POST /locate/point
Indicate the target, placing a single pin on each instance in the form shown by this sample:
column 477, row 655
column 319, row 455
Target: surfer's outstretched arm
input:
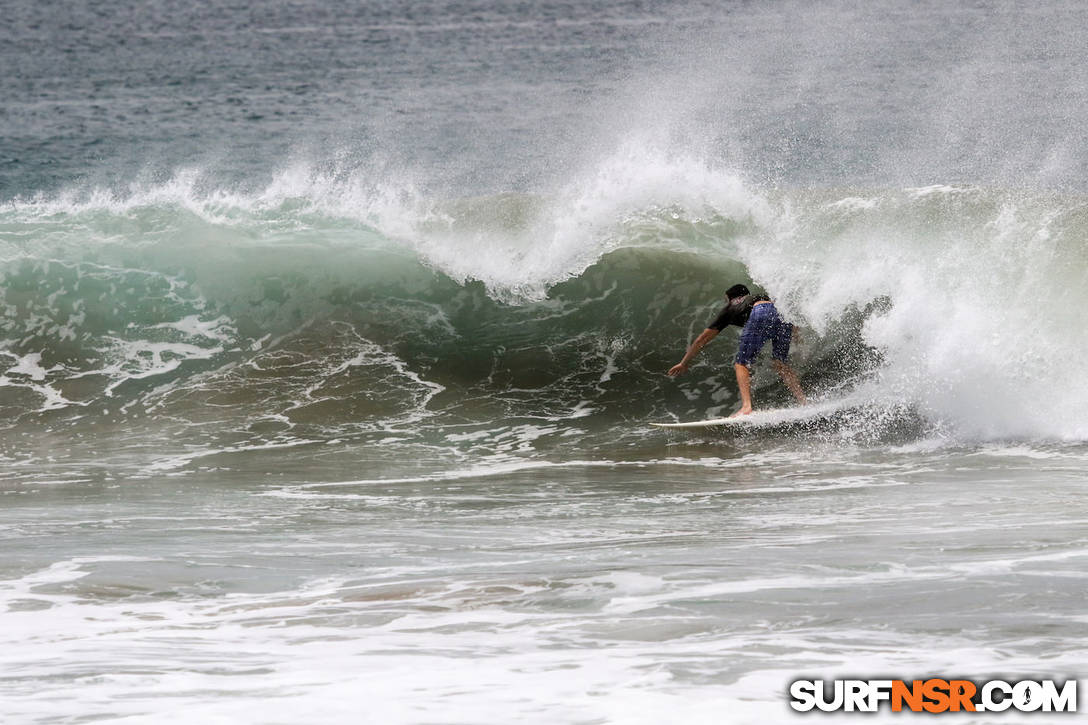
column 704, row 337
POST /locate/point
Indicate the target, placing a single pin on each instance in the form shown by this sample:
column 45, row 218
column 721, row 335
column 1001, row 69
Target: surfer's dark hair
column 737, row 290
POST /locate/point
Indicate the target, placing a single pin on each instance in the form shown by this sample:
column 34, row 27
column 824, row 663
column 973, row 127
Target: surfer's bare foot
column 745, row 410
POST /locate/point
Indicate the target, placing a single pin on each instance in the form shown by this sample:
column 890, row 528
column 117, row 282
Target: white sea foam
column 440, row 646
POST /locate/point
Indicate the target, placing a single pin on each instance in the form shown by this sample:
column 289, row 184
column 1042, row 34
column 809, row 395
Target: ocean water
column 330, row 335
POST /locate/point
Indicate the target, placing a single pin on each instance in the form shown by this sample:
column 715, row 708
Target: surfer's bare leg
column 789, row 377
column 744, row 382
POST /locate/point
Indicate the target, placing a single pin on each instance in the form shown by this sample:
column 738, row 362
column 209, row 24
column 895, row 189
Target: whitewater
column 330, row 339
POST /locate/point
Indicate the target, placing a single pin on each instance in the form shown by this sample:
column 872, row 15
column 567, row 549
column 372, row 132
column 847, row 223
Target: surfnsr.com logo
column 933, row 695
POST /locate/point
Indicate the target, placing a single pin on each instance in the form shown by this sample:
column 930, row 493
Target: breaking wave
column 326, row 303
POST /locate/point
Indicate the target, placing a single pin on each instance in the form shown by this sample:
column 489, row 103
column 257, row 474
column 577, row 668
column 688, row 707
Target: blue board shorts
column 764, row 324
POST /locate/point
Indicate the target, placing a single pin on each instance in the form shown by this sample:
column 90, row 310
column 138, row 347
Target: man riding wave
column 760, row 322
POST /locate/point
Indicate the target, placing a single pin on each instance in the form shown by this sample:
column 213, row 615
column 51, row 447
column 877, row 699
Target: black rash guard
column 736, row 312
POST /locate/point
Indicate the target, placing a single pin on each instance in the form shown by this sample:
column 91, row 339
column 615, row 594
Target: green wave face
column 297, row 317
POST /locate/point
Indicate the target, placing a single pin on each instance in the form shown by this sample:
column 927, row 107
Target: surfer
column 760, row 322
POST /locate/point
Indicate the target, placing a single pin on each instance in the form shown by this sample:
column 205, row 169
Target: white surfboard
column 754, row 418
column 763, row 418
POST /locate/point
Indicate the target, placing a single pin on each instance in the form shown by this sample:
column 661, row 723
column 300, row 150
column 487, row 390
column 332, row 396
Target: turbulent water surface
column 330, row 336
